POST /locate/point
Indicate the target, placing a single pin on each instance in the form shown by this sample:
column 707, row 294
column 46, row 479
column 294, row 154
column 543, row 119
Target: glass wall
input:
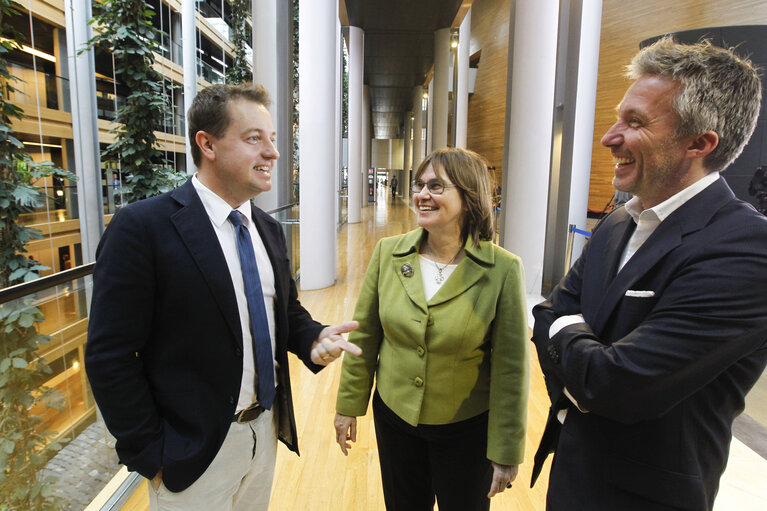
column 75, row 451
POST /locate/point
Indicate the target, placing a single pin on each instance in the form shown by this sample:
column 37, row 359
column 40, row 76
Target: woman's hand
column 503, row 475
column 346, row 430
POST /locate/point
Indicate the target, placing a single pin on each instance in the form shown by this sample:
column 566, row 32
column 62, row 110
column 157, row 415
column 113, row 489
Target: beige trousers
column 236, row 480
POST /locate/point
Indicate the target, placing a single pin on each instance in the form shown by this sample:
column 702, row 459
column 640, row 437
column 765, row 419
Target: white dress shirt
column 647, row 221
column 218, row 211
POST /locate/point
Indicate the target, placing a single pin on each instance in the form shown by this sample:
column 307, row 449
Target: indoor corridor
column 322, row 479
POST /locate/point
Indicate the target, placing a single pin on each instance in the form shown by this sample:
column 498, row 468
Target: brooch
column 407, row 270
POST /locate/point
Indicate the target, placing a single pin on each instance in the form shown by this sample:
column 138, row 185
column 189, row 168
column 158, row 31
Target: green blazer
column 449, row 359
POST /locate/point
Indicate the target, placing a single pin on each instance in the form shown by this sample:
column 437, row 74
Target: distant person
column 193, row 314
column 443, row 331
column 394, row 183
column 653, row 338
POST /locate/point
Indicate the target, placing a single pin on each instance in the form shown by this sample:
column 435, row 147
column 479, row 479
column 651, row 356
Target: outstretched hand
column 330, row 344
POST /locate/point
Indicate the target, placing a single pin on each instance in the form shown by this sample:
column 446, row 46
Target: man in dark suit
column 193, row 313
column 651, row 341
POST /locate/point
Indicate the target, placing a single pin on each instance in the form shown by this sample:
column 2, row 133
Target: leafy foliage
column 24, row 441
column 294, row 90
column 126, row 31
column 240, row 71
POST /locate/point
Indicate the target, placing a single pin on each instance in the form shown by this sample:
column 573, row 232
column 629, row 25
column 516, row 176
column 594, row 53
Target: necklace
column 439, row 278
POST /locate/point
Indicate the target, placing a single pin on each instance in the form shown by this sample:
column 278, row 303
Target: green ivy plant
column 125, row 30
column 240, row 71
column 25, row 444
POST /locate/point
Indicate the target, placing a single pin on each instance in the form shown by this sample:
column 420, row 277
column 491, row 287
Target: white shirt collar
column 668, row 206
column 217, row 208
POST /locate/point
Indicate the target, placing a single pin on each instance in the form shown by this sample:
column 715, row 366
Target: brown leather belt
column 248, row 414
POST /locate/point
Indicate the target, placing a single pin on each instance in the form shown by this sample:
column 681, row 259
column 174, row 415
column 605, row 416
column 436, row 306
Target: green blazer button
column 418, row 382
column 420, row 351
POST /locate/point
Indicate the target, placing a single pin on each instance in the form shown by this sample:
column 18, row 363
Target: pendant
column 439, row 278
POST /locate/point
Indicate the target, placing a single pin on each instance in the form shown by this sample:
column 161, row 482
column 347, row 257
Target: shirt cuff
column 564, row 321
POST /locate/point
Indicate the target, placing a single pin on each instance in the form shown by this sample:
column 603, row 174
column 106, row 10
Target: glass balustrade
column 60, row 401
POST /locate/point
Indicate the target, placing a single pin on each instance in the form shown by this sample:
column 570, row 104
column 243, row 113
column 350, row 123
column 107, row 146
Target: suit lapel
column 689, row 217
column 408, row 264
column 407, row 267
column 196, row 232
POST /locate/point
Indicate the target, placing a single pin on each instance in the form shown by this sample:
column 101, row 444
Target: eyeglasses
column 434, row 187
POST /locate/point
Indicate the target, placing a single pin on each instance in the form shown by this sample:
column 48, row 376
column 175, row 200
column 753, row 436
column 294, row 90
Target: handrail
column 281, row 208
column 33, row 286
column 27, row 288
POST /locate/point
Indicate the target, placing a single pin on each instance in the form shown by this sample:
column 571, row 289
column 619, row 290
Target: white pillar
column 271, row 68
column 317, row 72
column 418, row 143
column 189, row 59
column 462, row 87
column 439, row 95
column 583, row 136
column 529, row 134
column 356, row 65
column 82, row 96
column 407, row 158
column 365, row 153
column 429, row 147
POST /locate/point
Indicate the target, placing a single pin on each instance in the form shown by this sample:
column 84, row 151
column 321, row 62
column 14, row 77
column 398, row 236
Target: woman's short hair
column 468, row 171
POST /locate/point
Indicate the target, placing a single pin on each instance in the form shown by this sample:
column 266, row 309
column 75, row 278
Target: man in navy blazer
column 651, row 341
column 170, row 355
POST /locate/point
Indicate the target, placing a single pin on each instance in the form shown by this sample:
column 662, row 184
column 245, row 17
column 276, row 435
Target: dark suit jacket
column 663, row 376
column 164, row 351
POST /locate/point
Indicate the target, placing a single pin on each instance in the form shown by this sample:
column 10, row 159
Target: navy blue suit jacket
column 164, row 351
column 662, row 376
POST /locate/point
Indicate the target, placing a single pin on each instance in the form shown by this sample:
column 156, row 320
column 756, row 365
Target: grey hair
column 719, row 91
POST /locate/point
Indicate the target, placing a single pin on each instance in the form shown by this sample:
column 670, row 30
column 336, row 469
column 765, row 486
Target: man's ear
column 702, row 145
column 205, row 142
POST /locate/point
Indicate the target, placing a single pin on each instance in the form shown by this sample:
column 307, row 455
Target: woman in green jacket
column 443, row 327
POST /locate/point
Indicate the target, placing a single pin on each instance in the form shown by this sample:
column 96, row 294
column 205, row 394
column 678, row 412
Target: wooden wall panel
column 487, row 106
column 624, row 25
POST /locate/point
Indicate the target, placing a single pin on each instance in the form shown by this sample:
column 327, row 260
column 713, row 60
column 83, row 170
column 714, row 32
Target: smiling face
column 439, row 213
column 238, row 165
column 650, row 160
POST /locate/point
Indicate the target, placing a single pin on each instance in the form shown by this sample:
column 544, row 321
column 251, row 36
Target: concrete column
column 365, row 153
column 356, row 66
column 428, row 120
column 81, row 70
column 407, row 157
column 318, row 68
column 585, row 104
column 528, row 143
column 441, row 85
column 189, row 53
column 271, row 68
column 418, row 144
column 573, row 126
column 462, row 87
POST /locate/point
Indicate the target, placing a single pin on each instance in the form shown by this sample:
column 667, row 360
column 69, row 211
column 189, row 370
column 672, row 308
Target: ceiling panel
column 399, row 51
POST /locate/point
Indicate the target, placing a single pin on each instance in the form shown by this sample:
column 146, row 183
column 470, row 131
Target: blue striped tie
column 259, row 325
